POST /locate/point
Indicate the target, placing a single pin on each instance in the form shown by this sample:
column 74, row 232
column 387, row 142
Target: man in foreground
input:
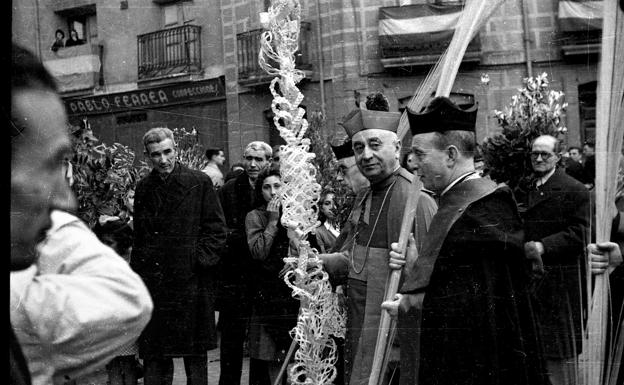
column 179, row 233
column 464, row 302
column 77, row 303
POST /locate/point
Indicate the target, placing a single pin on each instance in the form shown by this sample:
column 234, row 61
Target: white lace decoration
column 320, row 315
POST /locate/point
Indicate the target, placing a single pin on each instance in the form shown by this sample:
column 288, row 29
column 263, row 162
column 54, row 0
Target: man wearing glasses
column 556, row 232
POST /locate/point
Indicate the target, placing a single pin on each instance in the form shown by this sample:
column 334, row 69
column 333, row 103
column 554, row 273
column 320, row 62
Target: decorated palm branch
column 601, row 358
column 319, row 313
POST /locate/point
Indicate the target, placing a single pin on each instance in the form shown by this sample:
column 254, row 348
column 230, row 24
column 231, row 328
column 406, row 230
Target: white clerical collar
column 466, row 176
column 545, row 178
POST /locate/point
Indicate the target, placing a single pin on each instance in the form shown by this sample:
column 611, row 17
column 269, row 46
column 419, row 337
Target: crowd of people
column 489, row 294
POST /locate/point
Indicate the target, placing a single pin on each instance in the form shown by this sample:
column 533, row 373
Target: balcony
column 417, row 35
column 580, row 25
column 249, row 71
column 77, row 68
column 169, row 52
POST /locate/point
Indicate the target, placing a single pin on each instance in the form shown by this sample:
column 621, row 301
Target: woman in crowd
column 274, row 311
column 327, row 232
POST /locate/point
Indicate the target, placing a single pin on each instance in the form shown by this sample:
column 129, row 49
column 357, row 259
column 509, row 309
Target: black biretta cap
column 442, row 114
column 344, row 150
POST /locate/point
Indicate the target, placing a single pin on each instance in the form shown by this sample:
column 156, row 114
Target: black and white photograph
column 316, row 192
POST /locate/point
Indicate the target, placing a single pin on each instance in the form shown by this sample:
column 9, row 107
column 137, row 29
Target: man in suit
column 556, row 226
column 574, row 165
column 179, row 234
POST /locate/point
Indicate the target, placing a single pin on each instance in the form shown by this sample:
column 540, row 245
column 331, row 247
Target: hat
column 343, row 150
column 360, row 120
column 441, row 115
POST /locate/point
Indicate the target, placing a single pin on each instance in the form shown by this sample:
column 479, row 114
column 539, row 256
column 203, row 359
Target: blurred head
column 409, row 162
column 544, row 154
column 160, row 149
column 129, row 201
column 257, row 157
column 350, row 174
column 441, row 157
column 73, row 34
column 575, row 153
column 39, row 144
column 588, row 148
column 215, row 155
column 238, row 166
column 327, row 206
column 59, row 34
column 276, row 155
column 268, row 184
column 377, row 153
column 116, row 234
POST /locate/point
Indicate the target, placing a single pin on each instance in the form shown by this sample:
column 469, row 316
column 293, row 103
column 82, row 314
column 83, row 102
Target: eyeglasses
column 545, row 155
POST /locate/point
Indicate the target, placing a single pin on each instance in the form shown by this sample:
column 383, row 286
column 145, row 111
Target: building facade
column 193, row 63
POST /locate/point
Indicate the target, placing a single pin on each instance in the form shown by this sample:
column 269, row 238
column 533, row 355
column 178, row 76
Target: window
column 83, row 20
column 171, row 15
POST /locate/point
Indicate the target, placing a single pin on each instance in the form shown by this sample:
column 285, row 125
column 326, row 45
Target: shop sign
column 194, row 92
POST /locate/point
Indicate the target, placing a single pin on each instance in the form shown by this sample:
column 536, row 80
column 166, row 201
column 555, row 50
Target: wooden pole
column 393, row 285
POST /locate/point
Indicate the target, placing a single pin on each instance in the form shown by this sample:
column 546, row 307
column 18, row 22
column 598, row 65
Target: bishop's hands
column 397, row 262
column 603, row 257
column 392, row 307
column 397, row 259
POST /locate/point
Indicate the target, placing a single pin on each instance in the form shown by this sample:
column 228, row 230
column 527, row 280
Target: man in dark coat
column 179, row 234
column 556, row 226
column 573, row 164
column 237, row 199
column 465, row 296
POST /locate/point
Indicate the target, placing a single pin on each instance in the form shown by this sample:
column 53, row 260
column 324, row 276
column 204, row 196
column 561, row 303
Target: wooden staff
column 474, row 15
column 393, row 284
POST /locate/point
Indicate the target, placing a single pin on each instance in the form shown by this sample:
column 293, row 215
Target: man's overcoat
column 558, row 216
column 179, row 233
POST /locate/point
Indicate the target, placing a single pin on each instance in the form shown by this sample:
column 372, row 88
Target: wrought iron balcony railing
column 248, row 43
column 169, row 51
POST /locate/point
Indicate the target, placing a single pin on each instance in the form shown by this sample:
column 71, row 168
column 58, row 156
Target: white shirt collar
column 545, row 178
column 331, row 228
column 461, row 178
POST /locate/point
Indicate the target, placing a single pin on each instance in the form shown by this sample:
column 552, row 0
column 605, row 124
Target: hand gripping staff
column 473, row 16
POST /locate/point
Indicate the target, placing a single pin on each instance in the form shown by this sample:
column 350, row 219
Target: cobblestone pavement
column 179, row 378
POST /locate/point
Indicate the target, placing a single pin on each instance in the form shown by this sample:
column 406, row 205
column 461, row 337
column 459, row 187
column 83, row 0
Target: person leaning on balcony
column 59, row 40
column 73, row 39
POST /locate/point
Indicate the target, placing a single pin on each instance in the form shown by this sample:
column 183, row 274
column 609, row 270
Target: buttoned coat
column 179, row 235
column 557, row 215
